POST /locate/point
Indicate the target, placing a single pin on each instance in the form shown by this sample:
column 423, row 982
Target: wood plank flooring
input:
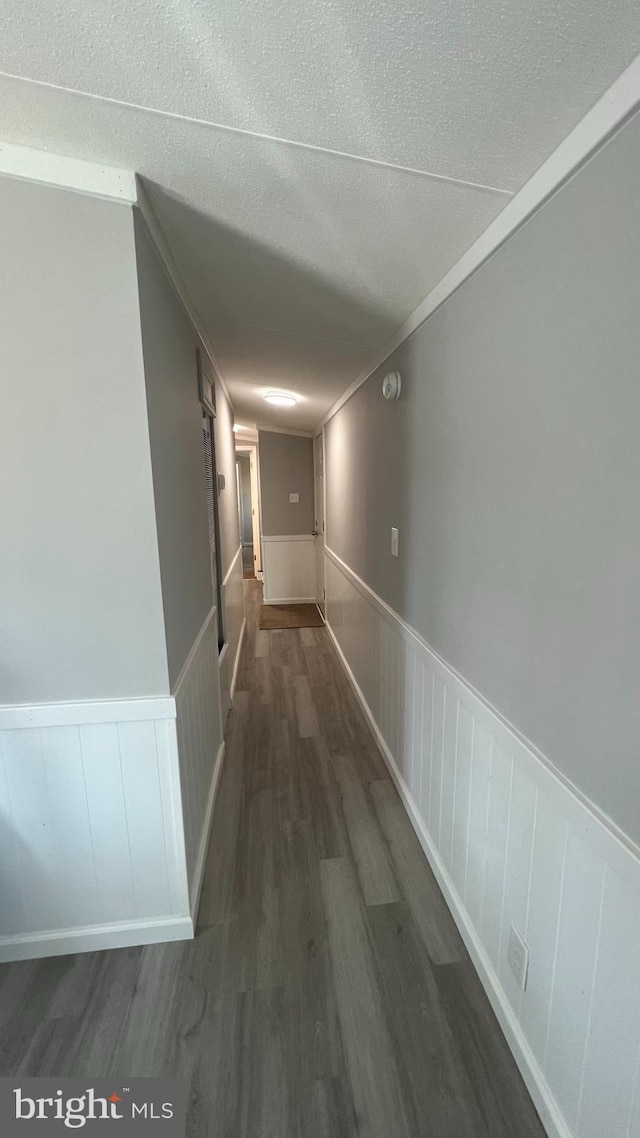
column 327, row 993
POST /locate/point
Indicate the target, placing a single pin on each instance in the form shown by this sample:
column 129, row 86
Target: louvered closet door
column 212, row 507
column 208, row 461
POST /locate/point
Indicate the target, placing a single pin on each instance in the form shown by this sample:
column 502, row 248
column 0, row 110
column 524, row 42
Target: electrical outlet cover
column 518, row 957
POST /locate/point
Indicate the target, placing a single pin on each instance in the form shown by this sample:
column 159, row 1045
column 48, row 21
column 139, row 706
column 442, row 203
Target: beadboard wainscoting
column 200, row 748
column 289, row 569
column 91, row 833
column 105, row 813
column 511, row 843
column 234, row 626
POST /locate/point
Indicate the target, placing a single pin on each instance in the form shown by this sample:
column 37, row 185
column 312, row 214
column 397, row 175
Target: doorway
column 249, row 511
column 243, row 470
column 318, row 483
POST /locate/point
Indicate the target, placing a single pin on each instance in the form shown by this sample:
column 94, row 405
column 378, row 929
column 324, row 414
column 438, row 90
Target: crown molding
column 608, row 115
column 165, row 255
column 67, row 173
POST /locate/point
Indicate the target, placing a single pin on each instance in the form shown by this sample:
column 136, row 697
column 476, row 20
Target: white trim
column 611, row 111
column 18, row 716
column 292, row 601
column 510, row 732
column 201, row 859
column 541, row 1095
column 288, row 537
column 173, row 817
column 320, row 536
column 237, row 660
column 251, row 450
column 284, row 431
column 161, row 246
column 232, row 566
column 94, row 938
column 193, row 652
column 67, row 173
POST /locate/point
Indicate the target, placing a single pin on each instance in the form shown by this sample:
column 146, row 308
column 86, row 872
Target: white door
column 318, row 463
column 255, row 513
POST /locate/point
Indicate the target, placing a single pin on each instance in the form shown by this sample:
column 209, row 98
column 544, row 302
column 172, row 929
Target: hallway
column 327, row 991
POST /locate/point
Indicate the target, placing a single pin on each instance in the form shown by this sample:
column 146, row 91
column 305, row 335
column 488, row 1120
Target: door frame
column 256, row 527
column 320, row 519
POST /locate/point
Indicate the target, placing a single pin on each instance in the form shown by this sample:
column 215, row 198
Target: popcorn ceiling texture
column 476, row 90
column 327, row 254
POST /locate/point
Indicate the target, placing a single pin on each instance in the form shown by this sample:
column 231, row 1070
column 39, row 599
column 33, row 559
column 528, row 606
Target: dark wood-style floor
column 327, row 992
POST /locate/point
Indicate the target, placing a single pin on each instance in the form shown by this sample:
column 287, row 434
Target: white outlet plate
column 394, row 542
column 294, row 498
column 518, row 957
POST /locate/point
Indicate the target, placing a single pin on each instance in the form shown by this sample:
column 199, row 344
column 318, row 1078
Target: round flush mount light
column 281, row 399
column 391, row 386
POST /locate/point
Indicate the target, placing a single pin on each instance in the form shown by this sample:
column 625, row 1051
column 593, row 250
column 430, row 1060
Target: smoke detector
column 391, row 386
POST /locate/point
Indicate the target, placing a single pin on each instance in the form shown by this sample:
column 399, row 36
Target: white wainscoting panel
column 234, row 626
column 200, row 749
column 105, row 812
column 91, row 841
column 511, row 842
column 289, row 568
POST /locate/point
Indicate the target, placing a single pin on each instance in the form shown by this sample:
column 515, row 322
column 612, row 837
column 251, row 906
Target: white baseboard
column 290, row 601
column 203, row 846
column 237, row 660
column 542, row 1098
column 95, row 938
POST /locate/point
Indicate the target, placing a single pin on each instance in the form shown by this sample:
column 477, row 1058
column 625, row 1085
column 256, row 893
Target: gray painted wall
column 80, row 599
column 226, row 463
column 286, row 465
column 511, row 466
column 175, row 431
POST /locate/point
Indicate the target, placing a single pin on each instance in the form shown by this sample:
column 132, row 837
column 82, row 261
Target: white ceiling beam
column 67, row 173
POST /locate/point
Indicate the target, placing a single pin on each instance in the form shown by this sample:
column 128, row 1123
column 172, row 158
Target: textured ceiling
column 477, row 89
column 302, row 262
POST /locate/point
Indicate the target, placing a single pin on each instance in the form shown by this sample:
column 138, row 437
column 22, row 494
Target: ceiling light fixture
column 280, row 399
column 239, row 427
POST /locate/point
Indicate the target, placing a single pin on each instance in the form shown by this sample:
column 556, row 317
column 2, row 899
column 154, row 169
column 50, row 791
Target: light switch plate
column 294, row 498
column 394, row 542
